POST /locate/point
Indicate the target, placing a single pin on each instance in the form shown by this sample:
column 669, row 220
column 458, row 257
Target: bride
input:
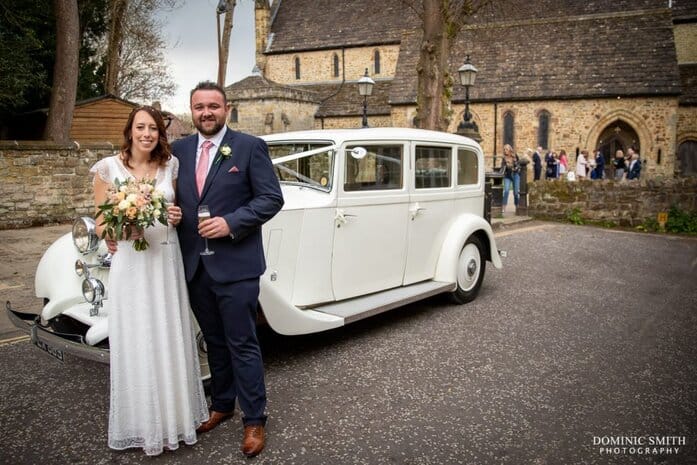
column 157, row 399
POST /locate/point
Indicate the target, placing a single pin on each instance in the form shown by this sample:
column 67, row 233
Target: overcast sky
column 193, row 54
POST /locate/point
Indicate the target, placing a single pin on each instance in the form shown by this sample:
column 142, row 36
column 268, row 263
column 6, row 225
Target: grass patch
column 574, row 216
column 679, row 222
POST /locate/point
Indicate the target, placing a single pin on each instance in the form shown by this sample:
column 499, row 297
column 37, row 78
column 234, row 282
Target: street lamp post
column 365, row 88
column 467, row 127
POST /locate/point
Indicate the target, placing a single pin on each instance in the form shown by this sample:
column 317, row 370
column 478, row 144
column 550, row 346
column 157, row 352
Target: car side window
column 433, row 167
column 467, row 167
column 379, row 169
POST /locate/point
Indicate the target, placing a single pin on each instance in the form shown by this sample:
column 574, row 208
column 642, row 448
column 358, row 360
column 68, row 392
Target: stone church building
column 561, row 74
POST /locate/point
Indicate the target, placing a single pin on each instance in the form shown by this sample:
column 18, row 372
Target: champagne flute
column 203, row 214
column 166, row 241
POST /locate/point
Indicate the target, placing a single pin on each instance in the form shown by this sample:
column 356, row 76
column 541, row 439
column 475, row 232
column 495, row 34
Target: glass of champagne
column 166, row 239
column 203, row 214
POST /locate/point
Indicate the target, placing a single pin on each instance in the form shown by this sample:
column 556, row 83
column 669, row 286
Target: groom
column 232, row 173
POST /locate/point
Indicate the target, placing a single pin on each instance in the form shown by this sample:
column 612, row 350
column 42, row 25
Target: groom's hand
column 214, row 228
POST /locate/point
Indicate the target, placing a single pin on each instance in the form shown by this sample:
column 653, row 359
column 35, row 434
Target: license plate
column 56, row 353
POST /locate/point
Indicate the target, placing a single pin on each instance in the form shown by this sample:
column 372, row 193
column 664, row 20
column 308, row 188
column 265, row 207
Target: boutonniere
column 224, row 152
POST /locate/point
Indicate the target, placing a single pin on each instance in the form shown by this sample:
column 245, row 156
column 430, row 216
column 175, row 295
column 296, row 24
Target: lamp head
column 467, row 73
column 365, row 84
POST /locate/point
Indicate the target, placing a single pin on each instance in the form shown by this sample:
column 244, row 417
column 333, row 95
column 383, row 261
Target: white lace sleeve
column 174, row 167
column 101, row 169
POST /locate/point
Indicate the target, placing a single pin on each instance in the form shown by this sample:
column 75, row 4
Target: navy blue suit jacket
column 634, row 171
column 243, row 189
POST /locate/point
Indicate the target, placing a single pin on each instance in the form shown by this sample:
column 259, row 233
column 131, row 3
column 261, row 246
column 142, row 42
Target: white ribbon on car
column 295, row 156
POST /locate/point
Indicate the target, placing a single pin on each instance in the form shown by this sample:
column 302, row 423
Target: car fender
column 460, row 230
column 287, row 319
column 55, row 277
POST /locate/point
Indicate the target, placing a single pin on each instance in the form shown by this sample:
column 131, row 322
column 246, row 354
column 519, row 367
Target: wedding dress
column 157, row 399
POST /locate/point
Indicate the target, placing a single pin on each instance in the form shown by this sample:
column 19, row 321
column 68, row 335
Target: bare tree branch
column 143, row 73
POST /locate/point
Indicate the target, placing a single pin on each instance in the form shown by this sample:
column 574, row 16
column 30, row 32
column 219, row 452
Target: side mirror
column 358, row 152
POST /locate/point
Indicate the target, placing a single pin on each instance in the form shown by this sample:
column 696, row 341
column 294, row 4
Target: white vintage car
column 373, row 219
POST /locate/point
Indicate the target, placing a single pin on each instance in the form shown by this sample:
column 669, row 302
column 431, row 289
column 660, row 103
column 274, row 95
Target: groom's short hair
column 208, row 85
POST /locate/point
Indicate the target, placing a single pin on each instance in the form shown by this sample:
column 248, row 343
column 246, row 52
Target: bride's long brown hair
column 162, row 151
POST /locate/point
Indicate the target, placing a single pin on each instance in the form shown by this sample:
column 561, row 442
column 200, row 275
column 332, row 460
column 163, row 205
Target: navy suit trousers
column 227, row 314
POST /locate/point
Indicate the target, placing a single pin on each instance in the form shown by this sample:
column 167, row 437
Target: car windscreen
column 304, row 163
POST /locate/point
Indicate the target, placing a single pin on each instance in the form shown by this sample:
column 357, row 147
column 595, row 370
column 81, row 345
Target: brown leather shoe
column 253, row 441
column 215, row 418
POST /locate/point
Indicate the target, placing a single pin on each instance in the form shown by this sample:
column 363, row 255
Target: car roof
column 341, row 135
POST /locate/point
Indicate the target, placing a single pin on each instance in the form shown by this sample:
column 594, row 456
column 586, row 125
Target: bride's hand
column 174, row 214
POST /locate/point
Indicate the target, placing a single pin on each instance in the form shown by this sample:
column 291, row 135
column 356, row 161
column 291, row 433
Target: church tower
column 262, row 18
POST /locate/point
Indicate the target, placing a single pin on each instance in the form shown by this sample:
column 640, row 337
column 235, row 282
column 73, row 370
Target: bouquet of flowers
column 130, row 205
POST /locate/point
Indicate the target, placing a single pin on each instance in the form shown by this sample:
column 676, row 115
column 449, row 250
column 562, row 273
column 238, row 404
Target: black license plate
column 49, row 349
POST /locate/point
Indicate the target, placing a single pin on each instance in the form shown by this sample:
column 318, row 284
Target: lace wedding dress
column 157, row 398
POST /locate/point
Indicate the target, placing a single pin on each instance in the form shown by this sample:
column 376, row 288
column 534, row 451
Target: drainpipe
column 496, row 124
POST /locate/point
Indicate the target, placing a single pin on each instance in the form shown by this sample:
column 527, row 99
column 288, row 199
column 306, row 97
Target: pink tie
column 202, row 167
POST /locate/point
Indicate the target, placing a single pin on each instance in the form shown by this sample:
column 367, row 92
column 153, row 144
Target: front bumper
column 56, row 344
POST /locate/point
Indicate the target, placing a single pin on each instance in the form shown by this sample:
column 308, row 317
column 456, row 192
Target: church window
column 543, row 129
column 376, row 62
column 234, row 117
column 508, row 133
column 336, row 65
column 297, row 67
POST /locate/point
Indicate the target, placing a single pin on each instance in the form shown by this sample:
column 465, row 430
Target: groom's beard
column 208, row 129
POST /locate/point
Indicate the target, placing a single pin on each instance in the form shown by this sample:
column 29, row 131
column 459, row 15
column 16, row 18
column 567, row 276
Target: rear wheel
column 470, row 271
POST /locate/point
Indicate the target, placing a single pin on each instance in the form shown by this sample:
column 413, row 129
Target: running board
column 363, row 307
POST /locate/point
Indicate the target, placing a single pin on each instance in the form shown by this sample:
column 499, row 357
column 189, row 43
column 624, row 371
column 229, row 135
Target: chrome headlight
column 85, row 235
column 93, row 290
column 81, row 268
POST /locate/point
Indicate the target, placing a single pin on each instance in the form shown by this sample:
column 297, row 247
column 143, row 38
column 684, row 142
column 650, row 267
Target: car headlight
column 92, row 290
column 85, row 235
column 81, row 268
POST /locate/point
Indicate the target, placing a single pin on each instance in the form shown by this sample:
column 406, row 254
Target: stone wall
column 623, row 203
column 352, row 122
column 267, row 116
column 578, row 124
column 44, row 183
column 686, row 42
column 687, row 124
column 318, row 66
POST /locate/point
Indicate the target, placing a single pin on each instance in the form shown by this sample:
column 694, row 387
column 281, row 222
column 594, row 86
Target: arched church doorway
column 616, row 136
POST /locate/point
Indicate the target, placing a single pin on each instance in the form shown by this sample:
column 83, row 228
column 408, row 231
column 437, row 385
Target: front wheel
column 470, row 271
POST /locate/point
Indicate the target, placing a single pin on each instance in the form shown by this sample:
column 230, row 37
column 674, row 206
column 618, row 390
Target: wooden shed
column 100, row 119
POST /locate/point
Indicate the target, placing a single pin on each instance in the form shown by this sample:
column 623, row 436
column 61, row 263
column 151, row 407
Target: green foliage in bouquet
column 131, row 206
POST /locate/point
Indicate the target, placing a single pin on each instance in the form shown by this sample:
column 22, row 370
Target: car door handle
column 415, row 210
column 342, row 218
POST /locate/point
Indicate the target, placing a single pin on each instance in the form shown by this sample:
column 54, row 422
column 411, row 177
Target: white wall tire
column 470, row 271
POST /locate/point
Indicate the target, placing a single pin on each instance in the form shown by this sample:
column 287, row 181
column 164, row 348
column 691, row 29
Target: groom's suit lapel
column 215, row 167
